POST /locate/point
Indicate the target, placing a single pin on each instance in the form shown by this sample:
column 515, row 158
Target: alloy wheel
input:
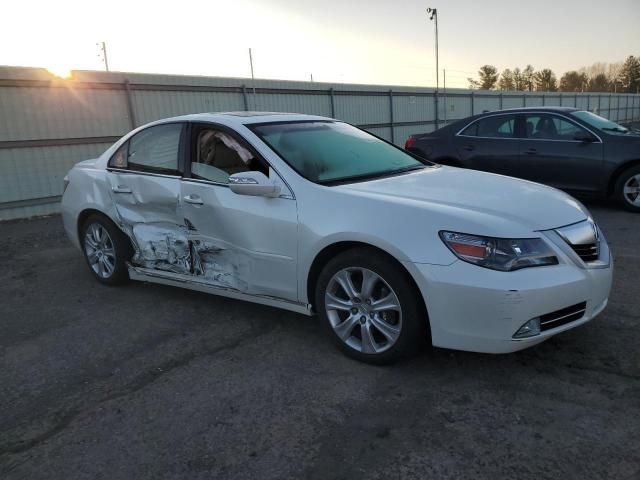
column 100, row 250
column 631, row 190
column 363, row 310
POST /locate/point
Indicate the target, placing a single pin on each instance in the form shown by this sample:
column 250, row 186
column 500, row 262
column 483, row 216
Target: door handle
column 193, row 199
column 121, row 189
column 531, row 151
column 468, row 148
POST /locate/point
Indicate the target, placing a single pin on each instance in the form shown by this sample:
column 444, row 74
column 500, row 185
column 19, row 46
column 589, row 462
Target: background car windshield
column 326, row 152
column 599, row 122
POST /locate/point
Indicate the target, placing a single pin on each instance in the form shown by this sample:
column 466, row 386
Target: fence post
column 391, row 115
column 543, row 99
column 609, row 109
column 244, row 97
column 500, row 100
column 132, row 113
column 333, row 103
column 472, row 103
column 589, row 102
column 560, row 98
column 575, row 100
column 524, row 100
column 626, row 109
column 599, row 103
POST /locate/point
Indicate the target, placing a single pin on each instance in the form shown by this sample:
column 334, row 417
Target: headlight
column 504, row 254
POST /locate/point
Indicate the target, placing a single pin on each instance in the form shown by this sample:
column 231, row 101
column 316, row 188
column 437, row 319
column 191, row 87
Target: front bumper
column 477, row 309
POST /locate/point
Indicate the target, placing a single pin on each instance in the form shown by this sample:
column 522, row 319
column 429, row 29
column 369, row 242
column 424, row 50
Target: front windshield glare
column 599, row 122
column 329, row 152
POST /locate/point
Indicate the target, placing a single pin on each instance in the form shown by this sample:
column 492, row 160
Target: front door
column 246, row 243
column 560, row 153
column 145, row 187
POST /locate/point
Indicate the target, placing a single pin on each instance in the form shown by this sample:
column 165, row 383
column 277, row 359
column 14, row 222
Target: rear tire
column 370, row 307
column 627, row 189
column 106, row 250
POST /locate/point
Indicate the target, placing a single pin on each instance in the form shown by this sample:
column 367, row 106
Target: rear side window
column 154, row 149
column 501, row 126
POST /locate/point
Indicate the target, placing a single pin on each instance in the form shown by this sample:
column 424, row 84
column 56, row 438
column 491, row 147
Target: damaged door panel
column 151, row 215
column 243, row 242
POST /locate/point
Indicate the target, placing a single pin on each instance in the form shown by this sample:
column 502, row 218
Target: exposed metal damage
column 180, row 249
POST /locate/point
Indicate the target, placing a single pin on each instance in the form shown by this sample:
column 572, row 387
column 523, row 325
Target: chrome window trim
column 460, row 134
column 137, row 172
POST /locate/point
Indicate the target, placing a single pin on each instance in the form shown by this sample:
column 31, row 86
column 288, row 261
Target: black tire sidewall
column 121, row 245
column 624, row 177
column 413, row 333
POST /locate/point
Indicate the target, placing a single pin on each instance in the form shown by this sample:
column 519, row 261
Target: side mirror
column 253, row 183
column 584, row 137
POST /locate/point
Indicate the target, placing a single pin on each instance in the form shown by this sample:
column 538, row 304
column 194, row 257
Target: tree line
column 621, row 77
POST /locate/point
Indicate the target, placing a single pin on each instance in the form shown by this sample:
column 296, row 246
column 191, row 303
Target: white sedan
column 312, row 214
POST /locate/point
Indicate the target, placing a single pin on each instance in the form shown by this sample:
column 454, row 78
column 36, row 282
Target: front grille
column 588, row 252
column 562, row 316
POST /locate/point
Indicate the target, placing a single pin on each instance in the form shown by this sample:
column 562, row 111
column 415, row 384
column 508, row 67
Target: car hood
column 491, row 204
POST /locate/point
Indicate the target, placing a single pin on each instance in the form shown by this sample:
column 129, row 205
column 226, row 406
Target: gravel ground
column 155, row 382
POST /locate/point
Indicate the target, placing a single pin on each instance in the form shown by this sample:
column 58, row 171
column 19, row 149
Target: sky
column 376, row 41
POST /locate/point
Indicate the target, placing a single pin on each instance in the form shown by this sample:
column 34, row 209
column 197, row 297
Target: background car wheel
column 628, row 189
column 106, row 250
column 370, row 307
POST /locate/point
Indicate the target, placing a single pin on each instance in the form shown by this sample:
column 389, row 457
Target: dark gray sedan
column 574, row 150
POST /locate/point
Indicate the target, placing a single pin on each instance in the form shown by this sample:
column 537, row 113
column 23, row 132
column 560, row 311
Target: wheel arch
column 86, row 213
column 330, row 251
column 613, row 179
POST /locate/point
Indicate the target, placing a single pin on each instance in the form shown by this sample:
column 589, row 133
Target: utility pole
column 444, row 87
column 103, row 50
column 253, row 80
column 433, row 15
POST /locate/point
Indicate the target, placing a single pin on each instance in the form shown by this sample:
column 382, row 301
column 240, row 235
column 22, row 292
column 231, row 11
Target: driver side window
column 216, row 155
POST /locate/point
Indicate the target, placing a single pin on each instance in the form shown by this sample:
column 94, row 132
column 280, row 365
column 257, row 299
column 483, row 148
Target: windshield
column 599, row 122
column 333, row 152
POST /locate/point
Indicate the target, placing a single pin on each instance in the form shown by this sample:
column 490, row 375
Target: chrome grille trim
column 562, row 316
column 583, row 238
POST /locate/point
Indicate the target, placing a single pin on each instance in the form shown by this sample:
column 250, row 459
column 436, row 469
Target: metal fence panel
column 47, row 125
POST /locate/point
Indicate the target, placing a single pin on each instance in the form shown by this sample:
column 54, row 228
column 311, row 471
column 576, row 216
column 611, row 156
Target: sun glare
column 60, row 72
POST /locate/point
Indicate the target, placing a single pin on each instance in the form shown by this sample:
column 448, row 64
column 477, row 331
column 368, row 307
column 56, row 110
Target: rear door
column 240, row 242
column 557, row 151
column 145, row 187
column 490, row 144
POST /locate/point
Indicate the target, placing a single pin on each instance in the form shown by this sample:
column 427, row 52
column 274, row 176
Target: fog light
column 529, row 329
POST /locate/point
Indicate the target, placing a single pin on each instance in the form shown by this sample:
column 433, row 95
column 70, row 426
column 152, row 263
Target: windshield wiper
column 371, row 176
column 616, row 129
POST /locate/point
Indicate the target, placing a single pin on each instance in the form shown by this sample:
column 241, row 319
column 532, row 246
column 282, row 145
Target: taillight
column 411, row 141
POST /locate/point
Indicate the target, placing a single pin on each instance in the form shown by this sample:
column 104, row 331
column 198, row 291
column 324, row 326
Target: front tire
column 370, row 307
column 106, row 250
column 627, row 189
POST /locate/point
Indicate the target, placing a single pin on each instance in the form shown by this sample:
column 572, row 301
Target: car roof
column 243, row 118
column 537, row 109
